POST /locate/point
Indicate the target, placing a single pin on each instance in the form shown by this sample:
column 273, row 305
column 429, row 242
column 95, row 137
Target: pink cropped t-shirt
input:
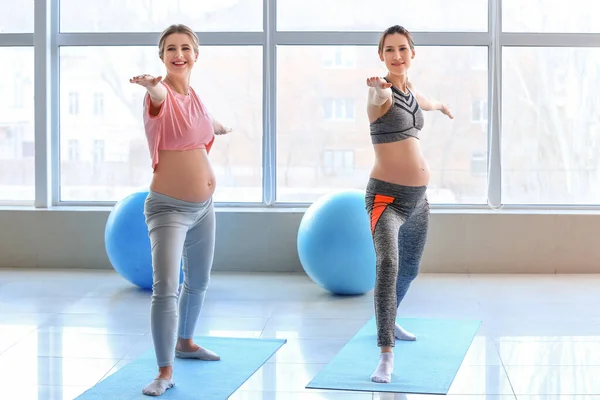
column 183, row 123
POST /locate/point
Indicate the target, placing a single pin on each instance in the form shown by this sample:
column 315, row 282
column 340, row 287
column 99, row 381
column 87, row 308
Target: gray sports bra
column 404, row 119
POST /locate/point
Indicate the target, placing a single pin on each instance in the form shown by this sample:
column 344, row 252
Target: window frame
column 47, row 40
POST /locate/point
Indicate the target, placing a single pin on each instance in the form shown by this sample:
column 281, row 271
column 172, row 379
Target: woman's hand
column 378, row 83
column 220, row 129
column 146, row 80
column 223, row 130
column 379, row 92
column 446, row 111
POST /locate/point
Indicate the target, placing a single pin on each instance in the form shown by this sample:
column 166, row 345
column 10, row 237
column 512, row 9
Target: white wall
column 258, row 240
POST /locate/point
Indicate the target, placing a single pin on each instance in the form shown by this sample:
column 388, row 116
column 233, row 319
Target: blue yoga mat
column 194, row 379
column 425, row 366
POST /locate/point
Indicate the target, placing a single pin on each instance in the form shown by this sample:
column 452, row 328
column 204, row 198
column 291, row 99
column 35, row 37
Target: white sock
column 402, row 334
column 383, row 373
column 158, row 386
column 200, row 354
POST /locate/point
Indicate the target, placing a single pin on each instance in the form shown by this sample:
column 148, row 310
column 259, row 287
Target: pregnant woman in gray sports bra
column 396, row 197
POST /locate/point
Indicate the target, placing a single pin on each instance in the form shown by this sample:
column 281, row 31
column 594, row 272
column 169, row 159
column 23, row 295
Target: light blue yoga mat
column 194, row 379
column 425, row 366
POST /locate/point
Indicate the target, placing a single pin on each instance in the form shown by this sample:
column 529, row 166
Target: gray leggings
column 178, row 229
column 399, row 217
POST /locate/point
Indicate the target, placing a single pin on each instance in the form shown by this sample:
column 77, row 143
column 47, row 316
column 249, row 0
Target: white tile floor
column 63, row 331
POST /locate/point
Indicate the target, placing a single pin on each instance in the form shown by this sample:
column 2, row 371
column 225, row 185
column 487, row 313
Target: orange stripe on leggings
column 380, row 203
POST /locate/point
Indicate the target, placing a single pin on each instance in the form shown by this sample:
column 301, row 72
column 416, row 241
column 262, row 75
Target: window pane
column 103, row 149
column 17, row 163
column 547, row 16
column 550, row 125
column 16, row 16
column 377, row 15
column 156, row 15
column 323, row 140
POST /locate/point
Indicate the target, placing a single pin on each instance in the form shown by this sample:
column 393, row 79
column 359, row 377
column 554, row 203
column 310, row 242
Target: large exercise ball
column 335, row 245
column 127, row 242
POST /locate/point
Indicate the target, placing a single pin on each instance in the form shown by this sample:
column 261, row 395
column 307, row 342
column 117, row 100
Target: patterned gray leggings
column 399, row 218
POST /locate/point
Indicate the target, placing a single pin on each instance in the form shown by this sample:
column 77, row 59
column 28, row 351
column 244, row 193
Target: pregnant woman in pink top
column 179, row 209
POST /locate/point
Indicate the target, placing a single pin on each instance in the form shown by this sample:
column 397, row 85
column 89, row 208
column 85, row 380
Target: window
column 16, row 16
column 479, row 163
column 9, row 144
column 17, row 167
column 338, row 109
column 550, row 16
column 477, row 62
column 314, row 135
column 306, row 133
column 549, row 110
column 98, row 151
column 73, row 150
column 338, row 162
column 73, row 103
column 28, row 149
column 236, row 157
column 376, row 15
column 479, row 111
column 98, row 104
column 339, row 57
column 22, row 87
column 156, row 15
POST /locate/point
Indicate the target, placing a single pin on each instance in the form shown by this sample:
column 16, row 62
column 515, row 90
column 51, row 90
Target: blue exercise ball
column 127, row 242
column 335, row 245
